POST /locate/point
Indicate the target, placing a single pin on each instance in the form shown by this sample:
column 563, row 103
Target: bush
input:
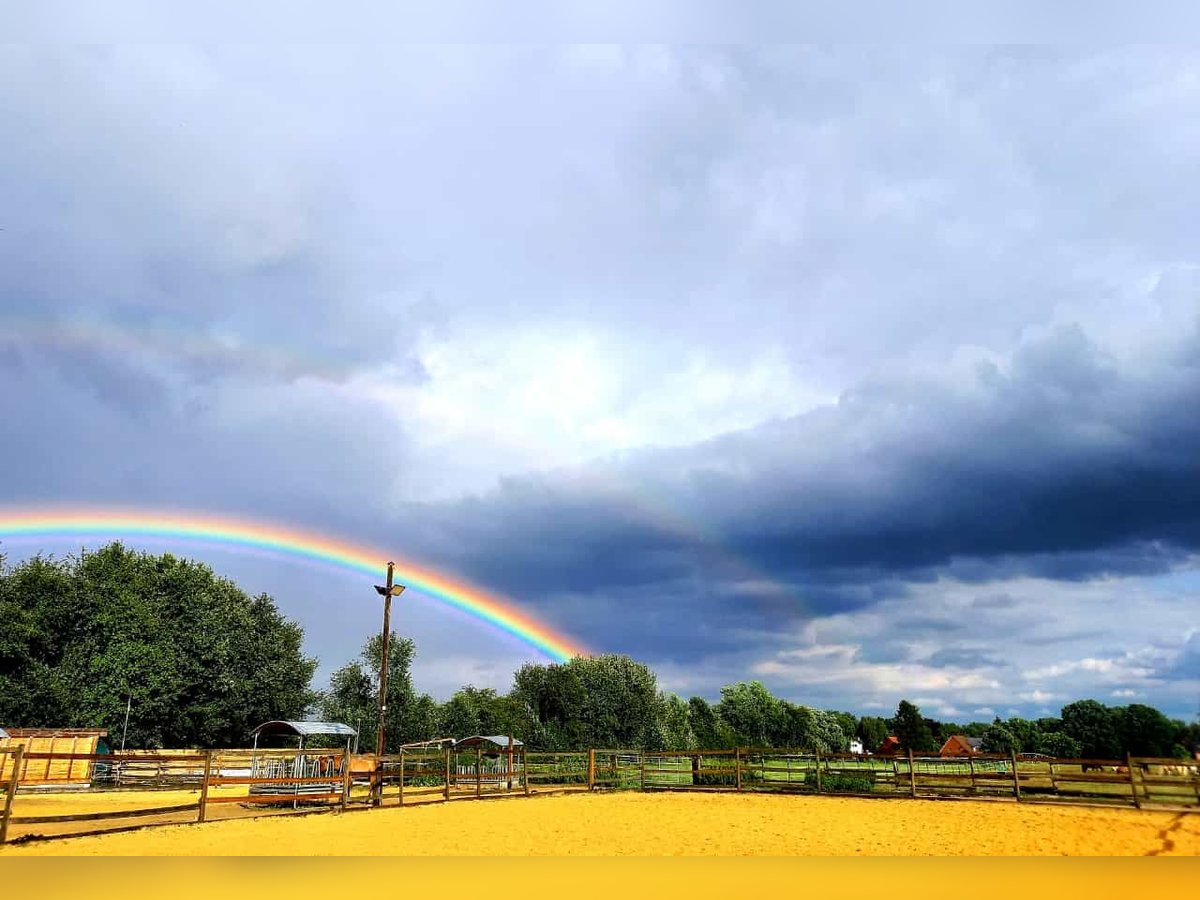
column 845, row 782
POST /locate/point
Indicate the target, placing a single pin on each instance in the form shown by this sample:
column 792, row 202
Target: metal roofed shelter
column 500, row 748
column 303, row 730
column 320, row 765
column 483, row 740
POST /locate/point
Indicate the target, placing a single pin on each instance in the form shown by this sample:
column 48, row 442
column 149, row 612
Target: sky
column 870, row 374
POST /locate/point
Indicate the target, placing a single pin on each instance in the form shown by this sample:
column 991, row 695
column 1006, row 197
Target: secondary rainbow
column 273, row 538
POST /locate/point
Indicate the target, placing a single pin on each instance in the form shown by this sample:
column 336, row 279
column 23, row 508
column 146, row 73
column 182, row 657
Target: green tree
column 999, row 739
column 1093, row 726
column 353, row 696
column 475, row 710
column 199, row 661
column 710, row 730
column 1058, row 744
column 755, row 716
column 552, row 696
column 847, row 722
column 1026, row 735
column 911, row 730
column 599, row 701
column 1144, row 731
column 673, row 730
column 872, row 731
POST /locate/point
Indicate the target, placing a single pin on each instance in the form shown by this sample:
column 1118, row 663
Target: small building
column 70, row 742
column 856, row 747
column 889, row 747
column 961, row 745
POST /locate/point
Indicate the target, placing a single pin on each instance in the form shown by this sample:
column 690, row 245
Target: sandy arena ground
column 631, row 824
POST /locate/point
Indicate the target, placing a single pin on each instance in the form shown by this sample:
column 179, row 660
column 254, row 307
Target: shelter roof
column 280, row 726
column 498, row 740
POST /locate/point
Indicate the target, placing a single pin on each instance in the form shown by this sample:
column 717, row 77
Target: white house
column 856, row 746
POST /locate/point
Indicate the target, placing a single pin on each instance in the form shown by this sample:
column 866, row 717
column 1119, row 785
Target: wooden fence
column 237, row 783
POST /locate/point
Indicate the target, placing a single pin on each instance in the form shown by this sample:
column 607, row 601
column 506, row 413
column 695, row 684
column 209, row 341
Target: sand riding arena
column 595, row 803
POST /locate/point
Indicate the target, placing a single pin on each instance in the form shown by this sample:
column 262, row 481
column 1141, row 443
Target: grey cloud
column 966, row 248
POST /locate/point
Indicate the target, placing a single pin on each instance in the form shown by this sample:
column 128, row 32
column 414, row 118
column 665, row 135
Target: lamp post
column 387, row 591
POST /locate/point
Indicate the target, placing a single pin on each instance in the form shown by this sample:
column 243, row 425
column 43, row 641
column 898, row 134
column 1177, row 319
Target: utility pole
column 388, row 591
column 124, row 731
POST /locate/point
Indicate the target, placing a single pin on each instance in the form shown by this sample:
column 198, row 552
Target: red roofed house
column 961, row 745
column 889, row 747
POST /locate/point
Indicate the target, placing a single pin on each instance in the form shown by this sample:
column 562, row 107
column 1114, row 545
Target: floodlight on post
column 387, row 591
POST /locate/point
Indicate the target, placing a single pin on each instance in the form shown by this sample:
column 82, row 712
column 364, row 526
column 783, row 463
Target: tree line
column 197, row 662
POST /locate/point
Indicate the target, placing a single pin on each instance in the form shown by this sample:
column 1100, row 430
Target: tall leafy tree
column 999, row 739
column 475, row 710
column 1058, row 744
column 711, row 731
column 911, row 729
column 754, row 714
column 197, row 661
column 872, row 731
column 1144, row 731
column 353, row 696
column 673, row 730
column 1094, row 727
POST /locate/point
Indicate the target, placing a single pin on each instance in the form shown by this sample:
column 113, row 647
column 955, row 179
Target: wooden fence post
column 348, row 779
column 912, row 774
column 971, row 770
column 208, row 754
column 525, row 769
column 737, row 767
column 446, row 790
column 591, row 770
column 478, row 770
column 1012, row 753
column 11, row 791
column 508, row 764
column 642, row 767
column 402, row 777
column 1133, row 788
column 818, row 752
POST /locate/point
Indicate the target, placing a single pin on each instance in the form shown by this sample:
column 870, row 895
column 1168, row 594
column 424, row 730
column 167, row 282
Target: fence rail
column 235, row 783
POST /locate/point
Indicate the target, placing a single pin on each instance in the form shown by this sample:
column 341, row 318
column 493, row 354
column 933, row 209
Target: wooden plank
column 114, row 757
column 275, row 798
column 96, row 817
column 738, row 767
column 222, row 780
column 912, row 774
column 10, row 792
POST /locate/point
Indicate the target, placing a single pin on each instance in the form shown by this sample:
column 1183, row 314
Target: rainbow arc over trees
column 285, row 541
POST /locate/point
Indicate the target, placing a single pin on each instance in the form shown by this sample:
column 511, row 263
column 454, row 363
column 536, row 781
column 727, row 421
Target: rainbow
column 275, row 539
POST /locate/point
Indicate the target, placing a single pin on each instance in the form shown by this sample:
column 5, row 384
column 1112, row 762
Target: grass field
column 664, row 824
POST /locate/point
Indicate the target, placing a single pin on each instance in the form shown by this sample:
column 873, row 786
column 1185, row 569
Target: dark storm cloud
column 1065, row 467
